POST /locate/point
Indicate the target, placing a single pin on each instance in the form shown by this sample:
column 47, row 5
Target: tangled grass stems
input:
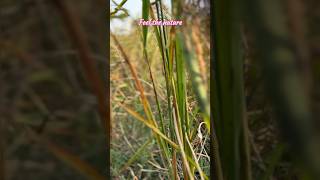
column 170, row 123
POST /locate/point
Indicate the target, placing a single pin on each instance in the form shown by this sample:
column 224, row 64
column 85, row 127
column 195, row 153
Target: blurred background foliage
column 270, row 48
column 50, row 126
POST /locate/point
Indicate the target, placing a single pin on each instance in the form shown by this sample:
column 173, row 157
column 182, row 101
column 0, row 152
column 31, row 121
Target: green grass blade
column 196, row 79
column 229, row 105
column 195, row 161
column 122, row 3
column 151, row 126
column 189, row 174
column 181, row 85
column 136, row 155
column 163, row 144
column 145, row 16
column 138, row 84
column 159, row 36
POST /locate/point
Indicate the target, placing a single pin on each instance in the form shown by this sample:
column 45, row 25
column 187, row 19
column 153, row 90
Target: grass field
column 160, row 109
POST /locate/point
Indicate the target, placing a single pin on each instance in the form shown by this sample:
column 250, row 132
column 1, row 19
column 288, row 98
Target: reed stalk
column 228, row 100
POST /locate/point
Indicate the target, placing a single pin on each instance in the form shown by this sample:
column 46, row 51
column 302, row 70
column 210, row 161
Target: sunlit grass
column 174, row 122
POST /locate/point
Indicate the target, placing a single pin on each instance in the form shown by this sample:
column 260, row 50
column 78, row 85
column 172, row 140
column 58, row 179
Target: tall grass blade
column 151, row 126
column 195, row 161
column 135, row 156
column 145, row 16
column 164, row 56
column 145, row 53
column 229, row 106
column 188, row 174
column 181, row 85
column 138, row 84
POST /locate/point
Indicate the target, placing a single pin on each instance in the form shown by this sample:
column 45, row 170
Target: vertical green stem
column 229, row 105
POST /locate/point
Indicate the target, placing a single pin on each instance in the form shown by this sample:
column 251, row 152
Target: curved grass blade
column 195, row 162
column 152, row 127
column 135, row 156
column 138, row 84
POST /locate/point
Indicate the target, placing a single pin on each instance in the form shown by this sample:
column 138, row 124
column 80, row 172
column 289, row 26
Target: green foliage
column 174, row 126
column 229, row 106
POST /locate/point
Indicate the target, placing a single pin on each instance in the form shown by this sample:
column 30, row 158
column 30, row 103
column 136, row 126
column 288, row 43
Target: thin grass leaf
column 138, row 84
column 188, row 174
column 145, row 16
column 145, row 53
column 136, row 155
column 152, row 127
column 163, row 144
column 195, row 162
column 181, row 85
column 164, row 56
